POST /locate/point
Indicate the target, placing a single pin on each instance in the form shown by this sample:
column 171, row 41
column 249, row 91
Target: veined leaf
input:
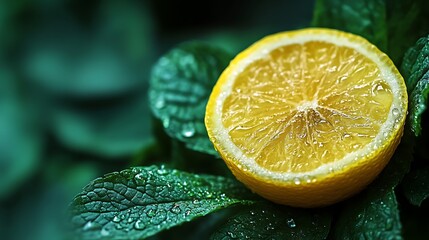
column 415, row 63
column 407, row 21
column 415, row 68
column 372, row 216
column 140, row 202
column 391, row 25
column 181, row 83
column 269, row 221
column 366, row 18
column 418, row 103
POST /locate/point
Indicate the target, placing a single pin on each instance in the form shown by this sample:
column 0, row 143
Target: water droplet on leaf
column 160, row 102
column 88, row 226
column 116, row 219
column 139, row 225
column 151, row 213
column 166, row 122
column 176, row 209
column 188, row 131
column 291, row 223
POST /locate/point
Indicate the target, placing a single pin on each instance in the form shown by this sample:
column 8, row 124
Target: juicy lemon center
column 301, row 106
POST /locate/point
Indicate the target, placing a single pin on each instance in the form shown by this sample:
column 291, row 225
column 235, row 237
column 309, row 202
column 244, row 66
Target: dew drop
column 151, row 213
column 291, row 223
column 166, row 122
column 139, row 177
column 188, row 131
column 116, row 219
column 88, row 226
column 176, row 209
column 232, row 235
column 139, row 225
column 160, row 102
column 395, row 112
column 162, row 170
column 297, row 181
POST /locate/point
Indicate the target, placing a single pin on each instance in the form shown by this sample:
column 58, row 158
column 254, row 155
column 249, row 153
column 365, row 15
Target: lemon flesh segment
column 306, row 105
column 307, row 118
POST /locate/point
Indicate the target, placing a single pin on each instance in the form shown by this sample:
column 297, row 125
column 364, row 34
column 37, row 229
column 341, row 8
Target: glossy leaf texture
column 393, row 26
column 139, row 202
column 269, row 221
column 180, row 85
column 415, row 68
column 365, row 18
column 415, row 63
column 407, row 21
column 372, row 216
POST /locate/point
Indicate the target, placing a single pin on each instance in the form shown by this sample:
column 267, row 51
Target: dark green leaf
column 366, row 18
column 393, row 26
column 116, row 130
column 20, row 139
column 418, row 103
column 141, row 202
column 416, row 185
column 268, row 221
column 407, row 21
column 415, row 63
column 373, row 215
column 181, row 83
column 65, row 61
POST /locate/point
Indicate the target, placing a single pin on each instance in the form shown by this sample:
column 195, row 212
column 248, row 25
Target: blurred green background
column 73, row 93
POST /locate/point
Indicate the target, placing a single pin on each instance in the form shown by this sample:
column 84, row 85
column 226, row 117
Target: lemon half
column 307, row 118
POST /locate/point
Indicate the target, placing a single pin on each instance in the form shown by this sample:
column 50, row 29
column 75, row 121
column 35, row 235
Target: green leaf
column 418, row 103
column 366, row 18
column 415, row 69
column 181, row 83
column 21, row 143
column 407, row 21
column 393, row 26
column 415, row 63
column 269, row 221
column 416, row 185
column 371, row 216
column 140, row 202
column 111, row 130
column 65, row 60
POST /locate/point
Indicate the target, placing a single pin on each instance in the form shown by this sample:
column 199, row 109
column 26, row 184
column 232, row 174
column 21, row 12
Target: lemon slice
column 307, row 118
